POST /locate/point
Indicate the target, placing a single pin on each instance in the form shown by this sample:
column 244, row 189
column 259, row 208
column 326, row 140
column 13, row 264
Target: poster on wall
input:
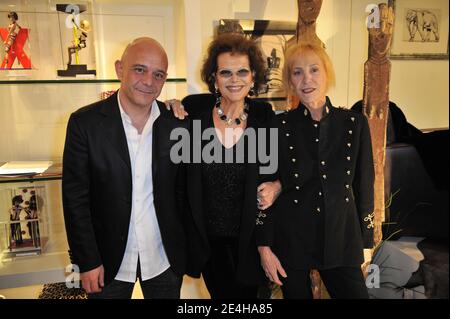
column 272, row 36
column 15, row 44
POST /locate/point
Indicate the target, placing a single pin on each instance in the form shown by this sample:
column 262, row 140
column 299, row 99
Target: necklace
column 228, row 120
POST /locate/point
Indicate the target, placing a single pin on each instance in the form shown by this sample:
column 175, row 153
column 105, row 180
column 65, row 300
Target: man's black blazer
column 97, row 187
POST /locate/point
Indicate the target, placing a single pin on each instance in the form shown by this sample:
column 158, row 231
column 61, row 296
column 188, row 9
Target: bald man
column 122, row 195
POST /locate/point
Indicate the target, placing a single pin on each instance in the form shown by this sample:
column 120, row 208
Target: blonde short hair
column 293, row 52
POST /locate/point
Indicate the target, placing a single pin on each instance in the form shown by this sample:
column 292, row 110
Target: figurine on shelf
column 16, row 230
column 14, row 38
column 13, row 30
column 33, row 225
column 80, row 42
column 80, row 32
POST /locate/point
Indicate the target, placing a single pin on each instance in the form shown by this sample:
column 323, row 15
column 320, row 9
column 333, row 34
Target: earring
column 217, row 95
column 252, row 89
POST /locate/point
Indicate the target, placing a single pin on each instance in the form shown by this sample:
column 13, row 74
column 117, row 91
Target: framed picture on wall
column 420, row 29
column 273, row 37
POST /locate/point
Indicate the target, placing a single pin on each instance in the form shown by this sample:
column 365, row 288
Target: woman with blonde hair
column 324, row 216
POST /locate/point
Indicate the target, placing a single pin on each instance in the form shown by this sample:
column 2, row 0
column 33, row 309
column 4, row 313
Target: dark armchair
column 416, row 188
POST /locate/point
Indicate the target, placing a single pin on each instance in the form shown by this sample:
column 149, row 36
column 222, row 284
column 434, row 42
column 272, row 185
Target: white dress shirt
column 144, row 238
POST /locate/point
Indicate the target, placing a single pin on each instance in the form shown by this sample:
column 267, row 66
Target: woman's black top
column 223, row 185
column 325, row 214
column 222, row 197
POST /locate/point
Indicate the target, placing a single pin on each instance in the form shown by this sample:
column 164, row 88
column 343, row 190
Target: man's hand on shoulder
column 177, row 108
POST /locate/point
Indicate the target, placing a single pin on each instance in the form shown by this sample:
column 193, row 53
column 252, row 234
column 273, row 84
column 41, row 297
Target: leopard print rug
column 60, row 291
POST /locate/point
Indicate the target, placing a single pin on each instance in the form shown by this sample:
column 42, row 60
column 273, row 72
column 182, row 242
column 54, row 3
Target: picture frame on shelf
column 420, row 30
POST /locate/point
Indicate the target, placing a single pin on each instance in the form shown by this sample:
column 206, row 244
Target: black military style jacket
column 324, row 216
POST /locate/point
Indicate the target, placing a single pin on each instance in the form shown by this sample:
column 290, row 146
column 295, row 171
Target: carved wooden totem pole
column 376, row 102
column 308, row 11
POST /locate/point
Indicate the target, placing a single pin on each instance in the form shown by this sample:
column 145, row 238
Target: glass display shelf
column 54, row 172
column 46, row 259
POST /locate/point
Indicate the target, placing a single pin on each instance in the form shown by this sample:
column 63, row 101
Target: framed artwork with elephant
column 420, row 29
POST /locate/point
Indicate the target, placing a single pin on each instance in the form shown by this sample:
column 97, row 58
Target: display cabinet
column 33, row 244
column 54, row 34
column 36, row 102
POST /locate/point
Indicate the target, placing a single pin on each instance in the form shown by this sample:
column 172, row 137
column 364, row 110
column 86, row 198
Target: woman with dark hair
column 223, row 193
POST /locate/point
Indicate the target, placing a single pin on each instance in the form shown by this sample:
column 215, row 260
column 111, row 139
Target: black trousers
column 219, row 273
column 164, row 286
column 341, row 283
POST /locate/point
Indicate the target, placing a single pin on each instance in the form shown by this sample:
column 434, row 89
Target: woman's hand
column 368, row 254
column 271, row 265
column 177, row 108
column 268, row 192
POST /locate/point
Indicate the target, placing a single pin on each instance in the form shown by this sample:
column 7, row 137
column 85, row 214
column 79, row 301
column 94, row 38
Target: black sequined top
column 223, row 188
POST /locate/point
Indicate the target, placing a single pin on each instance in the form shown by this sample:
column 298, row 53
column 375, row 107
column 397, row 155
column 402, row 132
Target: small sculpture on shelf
column 32, row 215
column 14, row 216
column 14, row 38
column 24, row 237
column 13, row 30
column 80, row 42
column 80, row 30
